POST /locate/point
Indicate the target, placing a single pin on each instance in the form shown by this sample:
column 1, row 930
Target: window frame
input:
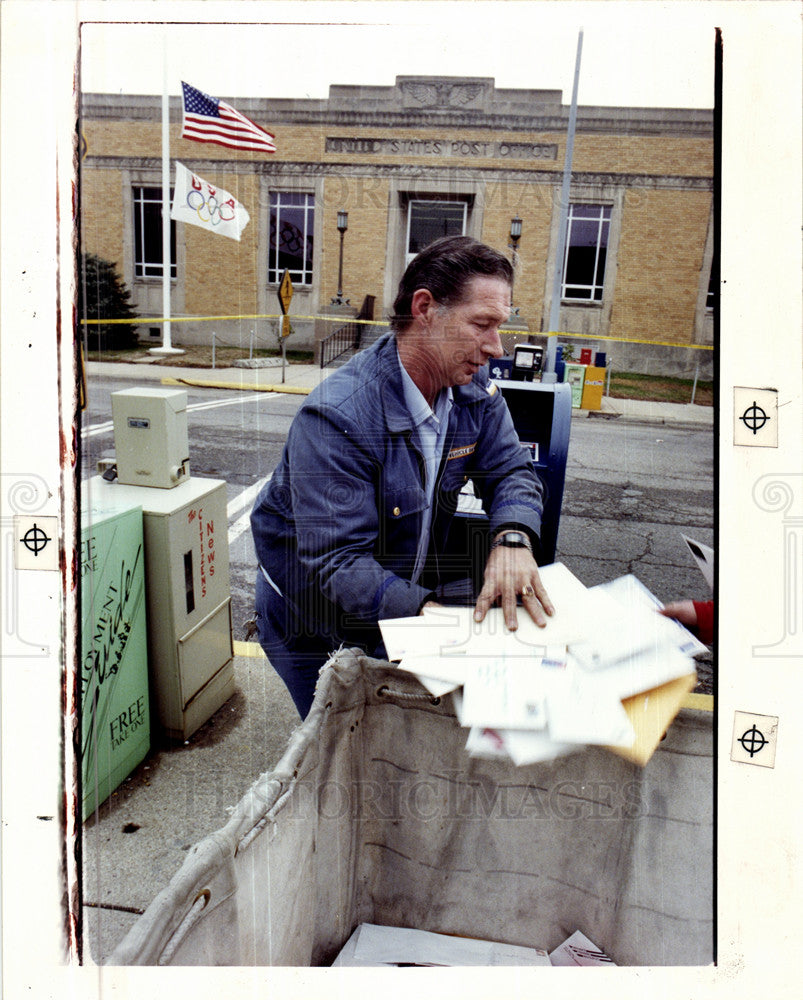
column 603, row 219
column 305, row 277
column 151, row 270
column 408, row 256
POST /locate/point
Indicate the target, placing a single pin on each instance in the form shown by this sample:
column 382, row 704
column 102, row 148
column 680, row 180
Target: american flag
column 206, row 119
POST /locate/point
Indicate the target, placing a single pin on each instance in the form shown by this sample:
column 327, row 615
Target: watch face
column 514, row 540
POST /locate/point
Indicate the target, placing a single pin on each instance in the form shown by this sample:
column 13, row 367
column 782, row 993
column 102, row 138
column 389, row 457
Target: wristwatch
column 513, row 540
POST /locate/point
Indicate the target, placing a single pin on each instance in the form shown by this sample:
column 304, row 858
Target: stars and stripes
column 206, row 119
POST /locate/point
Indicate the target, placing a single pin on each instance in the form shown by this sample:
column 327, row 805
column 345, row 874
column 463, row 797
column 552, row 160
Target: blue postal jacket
column 337, row 525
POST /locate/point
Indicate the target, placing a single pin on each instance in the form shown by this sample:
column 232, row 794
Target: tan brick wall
column 659, row 155
column 662, row 231
column 598, row 153
column 533, row 204
column 364, row 243
column 102, row 212
column 660, row 256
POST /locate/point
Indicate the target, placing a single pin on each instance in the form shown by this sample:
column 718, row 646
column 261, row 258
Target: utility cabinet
column 190, row 648
column 150, row 436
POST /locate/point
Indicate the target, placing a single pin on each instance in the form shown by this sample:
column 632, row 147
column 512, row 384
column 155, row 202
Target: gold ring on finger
column 527, row 591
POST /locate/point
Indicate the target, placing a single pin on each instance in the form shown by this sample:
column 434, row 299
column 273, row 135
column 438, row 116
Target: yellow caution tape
column 630, row 340
column 142, row 321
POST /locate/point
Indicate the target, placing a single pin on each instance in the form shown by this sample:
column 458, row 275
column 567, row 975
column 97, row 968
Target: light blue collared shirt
column 431, row 425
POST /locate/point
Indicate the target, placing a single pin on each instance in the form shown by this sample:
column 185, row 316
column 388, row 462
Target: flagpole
column 557, row 274
column 167, row 344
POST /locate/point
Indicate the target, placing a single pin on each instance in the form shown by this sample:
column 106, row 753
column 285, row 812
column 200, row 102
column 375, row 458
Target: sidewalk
column 303, row 378
column 137, row 840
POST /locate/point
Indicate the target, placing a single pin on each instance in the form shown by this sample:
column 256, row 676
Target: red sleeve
column 705, row 621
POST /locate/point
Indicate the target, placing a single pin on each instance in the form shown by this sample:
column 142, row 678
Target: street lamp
column 342, row 226
column 515, row 236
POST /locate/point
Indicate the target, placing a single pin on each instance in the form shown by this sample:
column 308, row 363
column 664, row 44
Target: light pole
column 342, row 226
column 515, row 236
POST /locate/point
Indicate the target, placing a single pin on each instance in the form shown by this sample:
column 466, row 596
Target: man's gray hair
column 445, row 267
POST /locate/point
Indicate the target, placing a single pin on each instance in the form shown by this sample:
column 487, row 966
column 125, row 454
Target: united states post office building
column 410, row 162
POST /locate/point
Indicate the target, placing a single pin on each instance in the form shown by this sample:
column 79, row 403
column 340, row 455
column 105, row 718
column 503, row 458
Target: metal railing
column 339, row 342
column 347, row 337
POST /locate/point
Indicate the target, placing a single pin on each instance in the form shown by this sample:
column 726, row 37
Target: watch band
column 512, row 540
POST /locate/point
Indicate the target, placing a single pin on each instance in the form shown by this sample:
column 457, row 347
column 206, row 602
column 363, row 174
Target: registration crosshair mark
column 35, row 539
column 752, row 741
column 754, row 417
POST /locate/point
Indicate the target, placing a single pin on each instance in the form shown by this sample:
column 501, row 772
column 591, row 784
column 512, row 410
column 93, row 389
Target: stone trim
column 316, row 168
column 419, row 101
column 586, row 124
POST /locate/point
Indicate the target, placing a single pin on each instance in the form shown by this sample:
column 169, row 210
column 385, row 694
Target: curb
column 237, row 386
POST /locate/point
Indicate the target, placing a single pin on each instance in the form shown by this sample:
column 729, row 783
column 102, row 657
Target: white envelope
column 504, row 693
column 583, row 708
column 630, row 592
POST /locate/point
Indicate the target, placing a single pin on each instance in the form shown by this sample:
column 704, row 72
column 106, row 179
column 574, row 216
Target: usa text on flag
column 203, row 204
column 206, row 119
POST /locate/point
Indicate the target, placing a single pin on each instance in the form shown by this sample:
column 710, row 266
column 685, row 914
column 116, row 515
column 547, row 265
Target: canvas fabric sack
column 377, row 814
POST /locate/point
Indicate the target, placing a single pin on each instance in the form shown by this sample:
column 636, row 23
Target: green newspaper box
column 575, row 375
column 115, row 720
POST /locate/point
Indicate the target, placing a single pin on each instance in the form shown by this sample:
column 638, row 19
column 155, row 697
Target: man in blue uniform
column 353, row 526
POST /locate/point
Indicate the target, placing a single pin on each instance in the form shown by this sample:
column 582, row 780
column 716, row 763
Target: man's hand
column 508, row 573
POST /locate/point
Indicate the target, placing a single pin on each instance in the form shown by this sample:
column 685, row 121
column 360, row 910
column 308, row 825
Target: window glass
column 292, row 216
column 429, row 220
column 586, row 251
column 148, row 234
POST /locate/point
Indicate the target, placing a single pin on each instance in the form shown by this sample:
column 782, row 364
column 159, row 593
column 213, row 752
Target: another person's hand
column 511, row 572
column 698, row 616
column 682, row 611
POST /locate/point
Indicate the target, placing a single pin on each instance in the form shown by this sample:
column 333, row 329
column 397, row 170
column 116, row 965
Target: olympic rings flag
column 203, row 204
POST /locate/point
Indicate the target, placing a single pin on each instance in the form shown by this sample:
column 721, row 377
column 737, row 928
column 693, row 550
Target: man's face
column 464, row 337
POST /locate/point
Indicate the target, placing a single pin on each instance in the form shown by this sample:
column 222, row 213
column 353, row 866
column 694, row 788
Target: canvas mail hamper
column 376, row 813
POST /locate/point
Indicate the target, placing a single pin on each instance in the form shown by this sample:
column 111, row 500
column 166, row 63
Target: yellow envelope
column 651, row 713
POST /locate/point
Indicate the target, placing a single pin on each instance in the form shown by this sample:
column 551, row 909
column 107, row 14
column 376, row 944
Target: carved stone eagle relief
column 442, row 94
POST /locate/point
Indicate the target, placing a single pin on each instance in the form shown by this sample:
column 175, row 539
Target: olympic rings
column 217, row 211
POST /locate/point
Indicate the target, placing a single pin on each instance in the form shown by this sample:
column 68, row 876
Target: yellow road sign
column 285, row 291
column 285, row 326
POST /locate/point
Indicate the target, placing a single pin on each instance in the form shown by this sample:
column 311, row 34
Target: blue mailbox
column 542, row 416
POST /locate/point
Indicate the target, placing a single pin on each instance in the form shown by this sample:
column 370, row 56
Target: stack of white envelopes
column 607, row 669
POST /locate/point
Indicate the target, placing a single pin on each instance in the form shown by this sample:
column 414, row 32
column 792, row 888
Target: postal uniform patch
column 463, row 452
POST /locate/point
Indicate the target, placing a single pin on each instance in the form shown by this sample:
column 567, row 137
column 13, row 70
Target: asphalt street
column 632, row 489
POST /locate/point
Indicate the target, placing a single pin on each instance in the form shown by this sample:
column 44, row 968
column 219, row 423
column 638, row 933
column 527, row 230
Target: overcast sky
column 634, row 53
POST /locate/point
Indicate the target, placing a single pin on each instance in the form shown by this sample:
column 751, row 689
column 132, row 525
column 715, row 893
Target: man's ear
column 423, row 305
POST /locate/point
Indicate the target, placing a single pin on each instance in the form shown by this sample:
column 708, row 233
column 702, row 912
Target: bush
column 102, row 294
